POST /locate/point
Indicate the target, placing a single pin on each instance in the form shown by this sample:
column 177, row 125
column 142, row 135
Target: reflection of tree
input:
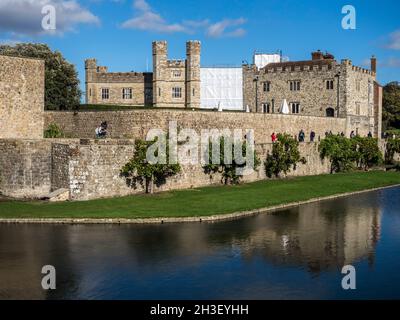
column 316, row 237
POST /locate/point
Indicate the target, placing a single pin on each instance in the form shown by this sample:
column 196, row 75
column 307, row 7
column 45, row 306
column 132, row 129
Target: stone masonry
column 136, row 123
column 173, row 83
column 21, row 98
column 318, row 87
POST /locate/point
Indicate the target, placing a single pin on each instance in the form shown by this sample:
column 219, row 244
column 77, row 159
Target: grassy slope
column 205, row 201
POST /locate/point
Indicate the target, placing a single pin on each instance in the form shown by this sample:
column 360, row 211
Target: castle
column 321, row 95
column 318, row 87
column 173, row 83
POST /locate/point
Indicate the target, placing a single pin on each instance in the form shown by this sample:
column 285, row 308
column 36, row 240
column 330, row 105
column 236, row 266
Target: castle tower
column 160, row 52
column 90, row 69
column 193, row 51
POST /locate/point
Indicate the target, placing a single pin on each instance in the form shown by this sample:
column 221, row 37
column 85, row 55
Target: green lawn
column 204, row 201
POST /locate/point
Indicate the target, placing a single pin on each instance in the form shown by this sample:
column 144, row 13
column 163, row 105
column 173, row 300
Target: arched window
column 330, row 112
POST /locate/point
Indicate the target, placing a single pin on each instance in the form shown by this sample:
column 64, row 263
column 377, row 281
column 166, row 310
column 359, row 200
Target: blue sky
column 119, row 32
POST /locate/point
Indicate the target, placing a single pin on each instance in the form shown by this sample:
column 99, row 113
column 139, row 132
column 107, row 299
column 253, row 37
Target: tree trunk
column 151, row 184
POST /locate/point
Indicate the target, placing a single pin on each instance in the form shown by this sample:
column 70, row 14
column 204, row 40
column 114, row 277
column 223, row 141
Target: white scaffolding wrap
column 261, row 60
column 221, row 88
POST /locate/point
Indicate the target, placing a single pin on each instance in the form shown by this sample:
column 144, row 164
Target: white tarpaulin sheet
column 261, row 60
column 221, row 88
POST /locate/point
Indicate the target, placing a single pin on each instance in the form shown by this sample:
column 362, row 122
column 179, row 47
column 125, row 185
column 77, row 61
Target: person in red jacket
column 273, row 137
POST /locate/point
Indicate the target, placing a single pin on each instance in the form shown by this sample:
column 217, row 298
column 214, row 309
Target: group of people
column 301, row 136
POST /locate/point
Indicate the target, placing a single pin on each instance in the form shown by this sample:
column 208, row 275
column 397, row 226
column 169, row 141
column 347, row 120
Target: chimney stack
column 317, row 55
column 373, row 64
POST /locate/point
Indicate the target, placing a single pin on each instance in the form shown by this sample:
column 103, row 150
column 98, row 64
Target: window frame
column 176, row 92
column 105, row 93
column 125, row 95
column 296, row 107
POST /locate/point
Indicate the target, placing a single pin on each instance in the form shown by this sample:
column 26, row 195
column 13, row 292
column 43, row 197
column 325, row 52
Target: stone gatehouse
column 173, row 83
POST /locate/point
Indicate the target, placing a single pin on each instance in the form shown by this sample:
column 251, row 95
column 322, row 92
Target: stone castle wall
column 136, row 123
column 94, row 169
column 25, row 167
column 21, row 98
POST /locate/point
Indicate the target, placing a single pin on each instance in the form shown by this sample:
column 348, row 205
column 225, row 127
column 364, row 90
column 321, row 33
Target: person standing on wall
column 273, row 137
column 312, row 136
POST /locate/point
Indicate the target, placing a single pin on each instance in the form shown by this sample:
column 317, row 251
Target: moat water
column 291, row 254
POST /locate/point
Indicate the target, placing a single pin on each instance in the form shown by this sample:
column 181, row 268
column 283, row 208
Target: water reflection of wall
column 319, row 236
column 24, row 250
column 94, row 260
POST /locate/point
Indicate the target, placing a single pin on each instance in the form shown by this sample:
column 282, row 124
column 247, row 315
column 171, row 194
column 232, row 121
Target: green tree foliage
column 228, row 169
column 346, row 154
column 284, row 157
column 340, row 151
column 139, row 170
column 392, row 147
column 53, row 131
column 61, row 79
column 391, row 105
column 367, row 152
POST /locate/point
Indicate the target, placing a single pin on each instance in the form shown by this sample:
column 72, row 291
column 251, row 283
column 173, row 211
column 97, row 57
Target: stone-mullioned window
column 295, row 107
column 105, row 93
column 176, row 92
column 266, row 108
column 329, row 84
column 294, row 85
column 127, row 93
column 267, row 86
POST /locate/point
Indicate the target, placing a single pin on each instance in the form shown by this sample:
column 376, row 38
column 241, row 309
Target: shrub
column 346, row 154
column 392, row 147
column 139, row 170
column 340, row 151
column 284, row 157
column 53, row 131
column 367, row 152
column 229, row 169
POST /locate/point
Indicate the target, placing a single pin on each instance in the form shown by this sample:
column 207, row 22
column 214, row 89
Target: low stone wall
column 90, row 169
column 25, row 167
column 94, row 169
column 136, row 123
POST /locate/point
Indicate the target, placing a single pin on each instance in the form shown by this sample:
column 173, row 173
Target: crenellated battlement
column 111, row 77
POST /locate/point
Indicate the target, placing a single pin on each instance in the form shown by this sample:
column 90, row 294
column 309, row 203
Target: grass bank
column 205, row 201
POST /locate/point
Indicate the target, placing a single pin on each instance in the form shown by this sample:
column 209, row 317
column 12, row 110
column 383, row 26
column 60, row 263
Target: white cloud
column 391, row 63
column 394, row 40
column 148, row 19
column 226, row 28
column 24, row 17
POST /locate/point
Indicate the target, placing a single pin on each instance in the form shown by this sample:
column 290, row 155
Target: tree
column 367, row 152
column 340, row 151
column 285, row 156
column 392, row 147
column 61, row 79
column 391, row 105
column 229, row 167
column 139, row 170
